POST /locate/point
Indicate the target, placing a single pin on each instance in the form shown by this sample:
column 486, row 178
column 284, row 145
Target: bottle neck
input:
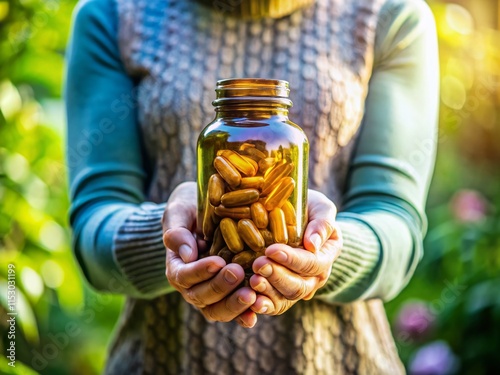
column 252, row 99
column 252, row 112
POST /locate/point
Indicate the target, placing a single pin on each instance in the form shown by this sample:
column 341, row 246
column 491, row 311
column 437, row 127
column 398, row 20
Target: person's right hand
column 207, row 283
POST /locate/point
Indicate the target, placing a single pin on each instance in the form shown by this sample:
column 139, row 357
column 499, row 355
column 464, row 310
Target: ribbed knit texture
column 140, row 251
column 352, row 272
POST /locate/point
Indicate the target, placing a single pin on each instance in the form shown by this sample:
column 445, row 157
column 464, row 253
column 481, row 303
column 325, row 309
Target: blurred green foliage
column 64, row 327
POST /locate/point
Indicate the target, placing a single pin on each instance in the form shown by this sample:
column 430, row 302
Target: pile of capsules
column 247, row 206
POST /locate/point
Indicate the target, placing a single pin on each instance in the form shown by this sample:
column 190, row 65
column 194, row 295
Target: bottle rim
column 252, row 90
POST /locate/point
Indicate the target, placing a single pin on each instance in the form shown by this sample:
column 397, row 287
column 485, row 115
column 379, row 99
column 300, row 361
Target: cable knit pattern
column 177, row 50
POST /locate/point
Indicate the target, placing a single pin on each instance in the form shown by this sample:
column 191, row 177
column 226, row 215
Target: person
column 140, row 80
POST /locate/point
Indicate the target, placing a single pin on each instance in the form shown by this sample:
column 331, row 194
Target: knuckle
column 180, row 280
column 230, row 308
column 194, row 299
column 297, row 293
column 294, row 261
column 279, row 280
column 311, row 266
column 208, row 314
column 215, row 287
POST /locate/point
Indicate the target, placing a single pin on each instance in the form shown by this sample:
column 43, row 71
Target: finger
column 322, row 213
column 317, row 233
column 181, row 241
column 247, row 319
column 215, row 289
column 303, row 262
column 269, row 297
column 181, row 208
column 184, row 275
column 291, row 285
column 263, row 305
column 231, row 307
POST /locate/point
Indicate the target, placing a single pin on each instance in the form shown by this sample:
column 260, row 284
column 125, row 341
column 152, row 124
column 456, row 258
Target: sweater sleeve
column 106, row 166
column 382, row 219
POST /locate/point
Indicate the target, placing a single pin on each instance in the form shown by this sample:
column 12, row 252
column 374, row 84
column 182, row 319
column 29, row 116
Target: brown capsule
column 242, row 197
column 267, row 236
column 289, row 211
column 215, row 189
column 229, row 231
column 218, row 242
column 253, row 163
column 259, row 215
column 280, row 193
column 251, row 182
column 208, row 223
column 245, row 259
column 278, row 226
column 251, row 235
column 255, row 154
column 233, row 212
column 227, row 171
column 226, row 254
column 239, row 162
column 293, row 237
column 266, row 164
column 278, row 172
column 245, row 146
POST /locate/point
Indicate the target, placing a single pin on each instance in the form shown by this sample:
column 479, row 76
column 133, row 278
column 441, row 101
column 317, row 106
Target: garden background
column 447, row 321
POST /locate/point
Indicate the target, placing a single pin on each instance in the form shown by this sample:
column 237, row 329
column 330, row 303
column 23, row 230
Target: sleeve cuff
column 356, row 267
column 140, row 253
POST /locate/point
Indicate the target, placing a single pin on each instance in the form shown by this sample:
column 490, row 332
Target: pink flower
column 414, row 319
column 469, row 206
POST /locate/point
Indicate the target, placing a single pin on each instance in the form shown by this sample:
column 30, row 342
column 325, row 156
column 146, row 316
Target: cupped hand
column 208, row 283
column 285, row 274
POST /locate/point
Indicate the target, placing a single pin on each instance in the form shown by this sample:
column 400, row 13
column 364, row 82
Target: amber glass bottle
column 252, row 172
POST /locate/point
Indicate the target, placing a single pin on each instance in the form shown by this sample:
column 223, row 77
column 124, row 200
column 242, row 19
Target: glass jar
column 252, row 172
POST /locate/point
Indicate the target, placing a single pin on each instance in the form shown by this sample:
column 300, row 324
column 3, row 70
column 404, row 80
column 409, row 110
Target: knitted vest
column 177, row 50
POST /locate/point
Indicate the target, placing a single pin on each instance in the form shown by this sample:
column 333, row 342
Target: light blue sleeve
column 383, row 218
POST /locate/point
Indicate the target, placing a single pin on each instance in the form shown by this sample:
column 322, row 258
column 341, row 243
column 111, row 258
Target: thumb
column 179, row 221
column 321, row 227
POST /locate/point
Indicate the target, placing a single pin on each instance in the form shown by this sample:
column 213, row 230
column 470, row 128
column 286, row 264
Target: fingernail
column 213, row 268
column 260, row 288
column 230, row 277
column 280, row 256
column 316, row 241
column 185, row 252
column 266, row 270
column 263, row 309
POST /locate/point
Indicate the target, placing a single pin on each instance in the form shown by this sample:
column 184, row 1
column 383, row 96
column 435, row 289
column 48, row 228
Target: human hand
column 208, row 283
column 286, row 275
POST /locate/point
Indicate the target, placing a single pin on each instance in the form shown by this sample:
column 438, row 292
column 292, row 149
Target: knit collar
column 257, row 8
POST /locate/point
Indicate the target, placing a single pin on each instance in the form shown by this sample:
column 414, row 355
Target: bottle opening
column 252, row 91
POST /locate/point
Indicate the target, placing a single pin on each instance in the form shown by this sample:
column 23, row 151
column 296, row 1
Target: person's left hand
column 286, row 275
